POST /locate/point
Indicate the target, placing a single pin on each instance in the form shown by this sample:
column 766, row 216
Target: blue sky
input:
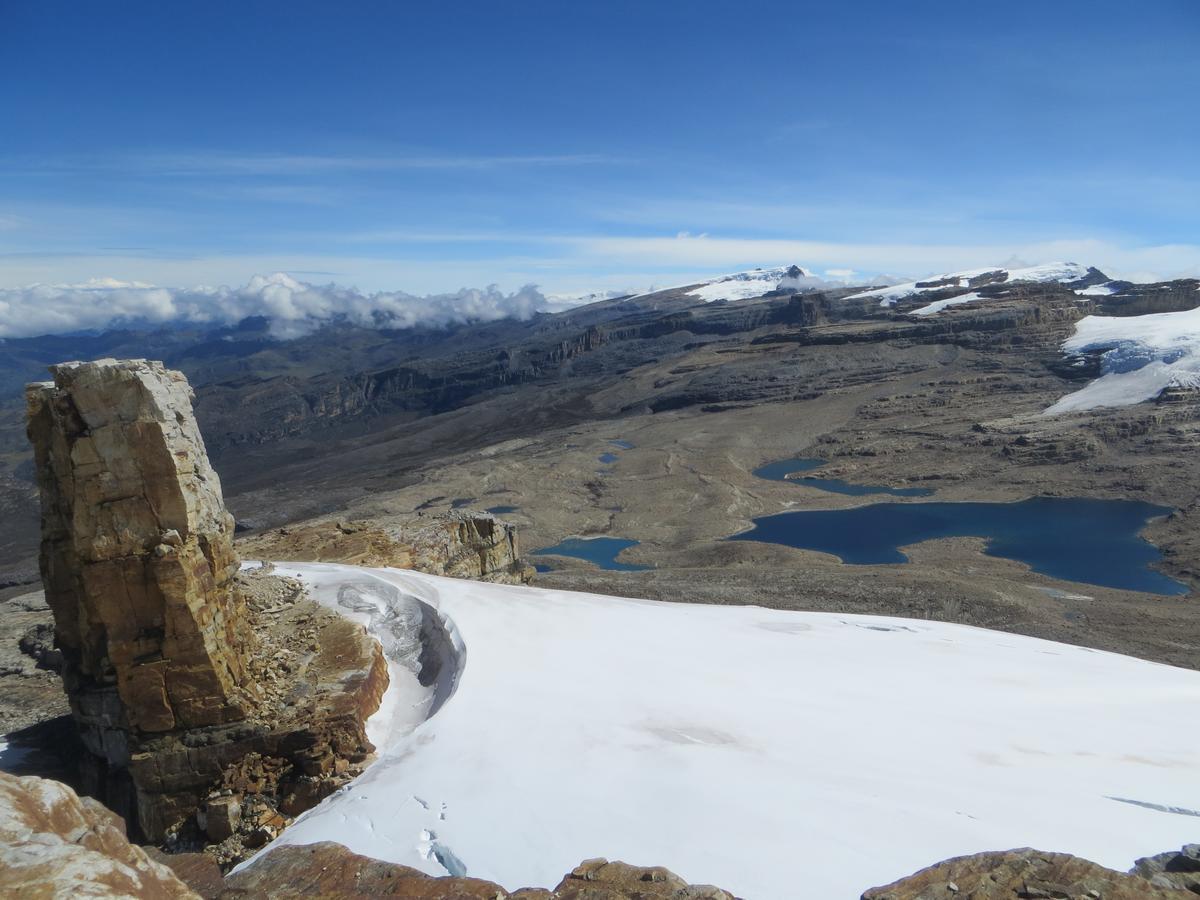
column 583, row 146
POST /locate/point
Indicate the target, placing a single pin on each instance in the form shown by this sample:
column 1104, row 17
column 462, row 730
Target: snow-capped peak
column 754, row 283
column 1058, row 272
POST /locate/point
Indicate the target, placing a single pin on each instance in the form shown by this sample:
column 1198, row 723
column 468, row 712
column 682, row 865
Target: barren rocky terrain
column 406, row 426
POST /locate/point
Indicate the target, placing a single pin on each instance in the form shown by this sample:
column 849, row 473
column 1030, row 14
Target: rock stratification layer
column 460, row 544
column 137, row 556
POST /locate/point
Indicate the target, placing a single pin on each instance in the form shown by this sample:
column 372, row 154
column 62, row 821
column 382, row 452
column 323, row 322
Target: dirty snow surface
column 1141, row 355
column 739, row 746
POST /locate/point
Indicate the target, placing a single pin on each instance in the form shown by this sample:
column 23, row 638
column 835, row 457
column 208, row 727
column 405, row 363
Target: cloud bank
column 293, row 308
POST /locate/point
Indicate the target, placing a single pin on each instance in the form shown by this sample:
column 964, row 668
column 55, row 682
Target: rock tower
column 137, row 554
column 194, row 687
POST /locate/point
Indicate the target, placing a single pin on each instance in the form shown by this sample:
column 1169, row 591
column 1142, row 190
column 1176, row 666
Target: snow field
column 736, row 745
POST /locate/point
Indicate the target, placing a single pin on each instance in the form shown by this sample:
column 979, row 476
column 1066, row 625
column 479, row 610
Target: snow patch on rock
column 755, row 283
column 938, row 305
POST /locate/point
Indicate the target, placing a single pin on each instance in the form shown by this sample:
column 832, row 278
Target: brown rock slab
column 1176, row 869
column 199, row 871
column 56, row 844
column 327, row 869
column 1021, row 874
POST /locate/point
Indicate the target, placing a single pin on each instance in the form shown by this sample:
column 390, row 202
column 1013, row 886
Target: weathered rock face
column 55, row 844
column 1014, row 874
column 463, row 544
column 213, row 706
column 137, row 554
column 1177, row 869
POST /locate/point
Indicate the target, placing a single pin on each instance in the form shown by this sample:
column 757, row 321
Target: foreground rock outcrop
column 1175, row 869
column 211, row 705
column 327, row 869
column 55, row 844
column 1025, row 873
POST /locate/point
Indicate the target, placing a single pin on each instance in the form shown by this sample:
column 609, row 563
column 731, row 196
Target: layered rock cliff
column 212, row 706
column 478, row 546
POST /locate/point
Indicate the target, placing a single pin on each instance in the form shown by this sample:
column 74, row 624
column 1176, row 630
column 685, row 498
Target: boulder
column 1021, row 874
column 1175, row 869
column 55, row 844
column 327, row 869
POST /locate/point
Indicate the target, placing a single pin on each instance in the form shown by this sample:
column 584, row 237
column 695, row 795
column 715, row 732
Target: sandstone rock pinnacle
column 137, row 555
column 189, row 682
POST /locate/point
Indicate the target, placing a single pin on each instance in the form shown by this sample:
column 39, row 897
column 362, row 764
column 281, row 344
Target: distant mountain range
column 337, row 376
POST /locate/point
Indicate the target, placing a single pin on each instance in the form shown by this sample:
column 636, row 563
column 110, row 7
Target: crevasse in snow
column 1141, row 355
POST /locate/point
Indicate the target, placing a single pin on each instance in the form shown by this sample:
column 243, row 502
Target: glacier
column 1060, row 272
column 1140, row 356
column 739, row 745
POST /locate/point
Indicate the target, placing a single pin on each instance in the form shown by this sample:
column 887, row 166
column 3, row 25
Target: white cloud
column 560, row 265
column 1134, row 263
column 292, row 307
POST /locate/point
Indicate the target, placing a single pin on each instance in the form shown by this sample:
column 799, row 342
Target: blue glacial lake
column 601, row 551
column 778, row 471
column 502, row 510
column 624, row 445
column 1073, row 539
column 608, row 458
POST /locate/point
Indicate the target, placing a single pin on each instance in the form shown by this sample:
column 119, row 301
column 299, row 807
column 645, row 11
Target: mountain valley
column 388, row 429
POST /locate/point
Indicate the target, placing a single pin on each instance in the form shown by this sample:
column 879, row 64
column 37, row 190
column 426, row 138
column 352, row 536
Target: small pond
column 623, row 445
column 502, row 510
column 1073, row 539
column 778, row 471
column 608, row 458
column 601, row 551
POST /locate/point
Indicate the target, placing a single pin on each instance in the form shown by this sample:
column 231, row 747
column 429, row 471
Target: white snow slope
column 750, row 284
column 745, row 285
column 1060, row 272
column 1144, row 355
column 739, row 745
